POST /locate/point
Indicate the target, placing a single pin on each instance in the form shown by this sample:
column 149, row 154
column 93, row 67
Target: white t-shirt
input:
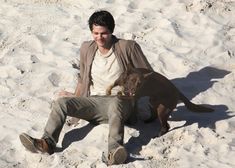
column 104, row 71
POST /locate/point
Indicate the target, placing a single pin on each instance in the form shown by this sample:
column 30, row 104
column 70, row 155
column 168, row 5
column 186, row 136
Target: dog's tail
column 194, row 107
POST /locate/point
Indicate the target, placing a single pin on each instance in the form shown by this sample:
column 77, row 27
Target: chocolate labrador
column 163, row 95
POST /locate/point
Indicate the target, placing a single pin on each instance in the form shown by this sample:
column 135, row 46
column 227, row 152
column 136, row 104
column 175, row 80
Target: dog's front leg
column 118, row 82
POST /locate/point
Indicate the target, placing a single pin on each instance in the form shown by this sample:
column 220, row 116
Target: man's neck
column 104, row 50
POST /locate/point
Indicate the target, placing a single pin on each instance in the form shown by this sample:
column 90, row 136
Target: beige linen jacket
column 126, row 51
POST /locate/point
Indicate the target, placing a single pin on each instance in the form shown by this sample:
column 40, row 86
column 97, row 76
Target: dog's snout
column 129, row 92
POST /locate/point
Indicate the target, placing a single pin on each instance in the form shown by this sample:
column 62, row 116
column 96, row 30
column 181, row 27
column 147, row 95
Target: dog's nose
column 129, row 93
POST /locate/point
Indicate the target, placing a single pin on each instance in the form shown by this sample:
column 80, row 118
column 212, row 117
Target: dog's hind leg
column 163, row 115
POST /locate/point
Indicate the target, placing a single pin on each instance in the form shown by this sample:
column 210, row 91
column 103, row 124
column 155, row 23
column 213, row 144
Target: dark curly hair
column 102, row 18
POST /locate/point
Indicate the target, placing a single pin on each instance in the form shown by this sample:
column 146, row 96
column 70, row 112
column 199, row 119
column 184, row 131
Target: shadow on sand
column 74, row 135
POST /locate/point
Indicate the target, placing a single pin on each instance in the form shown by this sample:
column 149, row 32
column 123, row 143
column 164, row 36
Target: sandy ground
column 190, row 42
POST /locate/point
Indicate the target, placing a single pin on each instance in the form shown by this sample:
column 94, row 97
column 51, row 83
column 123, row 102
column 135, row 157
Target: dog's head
column 131, row 81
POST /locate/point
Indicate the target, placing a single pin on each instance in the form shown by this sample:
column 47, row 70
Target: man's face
column 102, row 36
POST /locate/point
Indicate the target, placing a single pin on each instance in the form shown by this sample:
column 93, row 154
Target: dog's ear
column 130, row 68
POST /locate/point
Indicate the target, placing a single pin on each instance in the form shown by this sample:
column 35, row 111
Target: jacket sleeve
column 138, row 58
column 81, row 63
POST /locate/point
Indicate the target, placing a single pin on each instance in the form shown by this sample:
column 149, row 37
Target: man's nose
column 99, row 36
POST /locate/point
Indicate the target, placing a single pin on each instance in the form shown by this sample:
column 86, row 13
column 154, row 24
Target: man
column 101, row 62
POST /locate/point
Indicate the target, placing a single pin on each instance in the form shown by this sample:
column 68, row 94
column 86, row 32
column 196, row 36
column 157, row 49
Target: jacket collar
column 93, row 48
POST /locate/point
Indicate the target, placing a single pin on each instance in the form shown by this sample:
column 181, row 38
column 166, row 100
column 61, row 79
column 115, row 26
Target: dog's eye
column 133, row 80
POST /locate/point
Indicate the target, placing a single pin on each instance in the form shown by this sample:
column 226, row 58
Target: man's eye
column 102, row 34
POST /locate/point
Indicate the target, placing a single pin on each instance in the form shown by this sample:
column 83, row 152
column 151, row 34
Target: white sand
column 190, row 42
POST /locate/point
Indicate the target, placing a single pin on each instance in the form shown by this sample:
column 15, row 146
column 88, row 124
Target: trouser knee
column 60, row 105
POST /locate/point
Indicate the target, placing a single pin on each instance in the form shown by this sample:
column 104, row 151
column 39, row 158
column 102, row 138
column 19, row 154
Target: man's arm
column 138, row 58
column 78, row 88
column 77, row 92
column 65, row 93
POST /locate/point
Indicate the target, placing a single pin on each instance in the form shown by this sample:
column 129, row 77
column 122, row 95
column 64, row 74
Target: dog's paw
column 72, row 121
column 108, row 92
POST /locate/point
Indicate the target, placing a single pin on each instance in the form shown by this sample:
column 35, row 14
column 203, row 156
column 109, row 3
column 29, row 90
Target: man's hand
column 64, row 93
column 72, row 121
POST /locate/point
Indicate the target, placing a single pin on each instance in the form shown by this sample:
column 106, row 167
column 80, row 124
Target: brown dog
column 164, row 96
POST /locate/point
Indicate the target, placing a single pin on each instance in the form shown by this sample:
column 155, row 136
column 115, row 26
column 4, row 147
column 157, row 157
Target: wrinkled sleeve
column 138, row 58
column 81, row 63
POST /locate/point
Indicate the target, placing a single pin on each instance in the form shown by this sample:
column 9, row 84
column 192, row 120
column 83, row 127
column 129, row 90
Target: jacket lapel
column 91, row 53
column 118, row 54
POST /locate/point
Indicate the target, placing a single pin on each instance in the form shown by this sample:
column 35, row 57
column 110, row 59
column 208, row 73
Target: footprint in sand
column 34, row 59
column 54, row 79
